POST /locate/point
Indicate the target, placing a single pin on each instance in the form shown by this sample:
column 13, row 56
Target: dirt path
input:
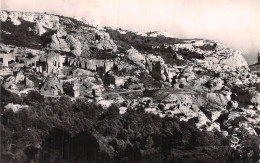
column 171, row 90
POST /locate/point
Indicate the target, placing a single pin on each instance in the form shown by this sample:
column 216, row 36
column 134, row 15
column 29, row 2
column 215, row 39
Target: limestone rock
column 105, row 103
column 46, row 20
column 9, row 83
column 61, row 32
column 217, row 98
column 122, row 110
column 14, row 107
column 3, row 16
column 19, row 77
column 255, row 98
column 104, row 42
column 214, row 126
column 39, row 29
column 14, row 16
column 74, row 45
column 135, row 56
column 216, row 84
column 29, row 83
column 235, row 60
column 58, row 43
column 52, row 86
column 156, row 67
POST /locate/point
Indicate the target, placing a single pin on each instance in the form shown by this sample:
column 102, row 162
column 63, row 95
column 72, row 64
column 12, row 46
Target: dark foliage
column 21, row 36
column 61, row 130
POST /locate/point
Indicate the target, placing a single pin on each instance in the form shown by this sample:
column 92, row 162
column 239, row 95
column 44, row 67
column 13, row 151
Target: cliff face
column 193, row 80
column 58, row 33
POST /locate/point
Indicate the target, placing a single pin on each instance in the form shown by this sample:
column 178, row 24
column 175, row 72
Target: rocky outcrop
column 246, row 95
column 159, row 33
column 52, row 86
column 136, row 57
column 62, row 39
column 255, row 98
column 16, row 81
column 9, row 83
column 58, row 43
column 235, row 60
column 218, row 98
column 42, row 21
column 155, row 65
column 74, row 44
column 29, row 83
column 19, row 77
column 104, row 42
column 15, row 107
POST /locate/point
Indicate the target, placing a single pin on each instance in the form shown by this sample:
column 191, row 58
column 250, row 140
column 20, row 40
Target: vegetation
column 61, row 130
column 145, row 45
column 19, row 33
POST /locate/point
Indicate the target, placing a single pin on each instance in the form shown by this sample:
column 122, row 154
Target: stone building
column 7, row 59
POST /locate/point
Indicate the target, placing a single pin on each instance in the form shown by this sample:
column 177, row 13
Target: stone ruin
column 52, row 86
column 7, row 59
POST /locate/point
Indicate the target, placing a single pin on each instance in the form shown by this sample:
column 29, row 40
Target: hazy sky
column 235, row 23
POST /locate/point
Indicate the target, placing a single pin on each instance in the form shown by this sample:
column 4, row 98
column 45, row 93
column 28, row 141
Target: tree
column 33, row 97
column 113, row 112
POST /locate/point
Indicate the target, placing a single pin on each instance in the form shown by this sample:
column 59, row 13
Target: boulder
column 135, row 56
column 213, row 127
column 9, row 83
column 74, row 44
column 3, row 16
column 216, row 84
column 61, row 32
column 217, row 98
column 255, row 98
column 104, row 42
column 14, row 17
column 57, row 43
column 14, row 107
column 188, row 99
column 29, row 83
column 82, row 73
column 52, row 86
column 156, row 67
column 39, row 29
column 19, row 77
column 235, row 60
column 122, row 110
column 105, row 103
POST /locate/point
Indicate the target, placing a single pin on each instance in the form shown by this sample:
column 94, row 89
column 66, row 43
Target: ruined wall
column 91, row 64
column 7, row 58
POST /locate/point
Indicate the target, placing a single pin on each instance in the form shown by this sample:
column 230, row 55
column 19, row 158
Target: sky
column 235, row 23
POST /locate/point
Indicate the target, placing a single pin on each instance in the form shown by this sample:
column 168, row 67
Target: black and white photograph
column 130, row 81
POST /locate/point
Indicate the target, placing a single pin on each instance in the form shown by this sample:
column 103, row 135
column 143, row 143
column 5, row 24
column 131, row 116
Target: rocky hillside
column 149, row 87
